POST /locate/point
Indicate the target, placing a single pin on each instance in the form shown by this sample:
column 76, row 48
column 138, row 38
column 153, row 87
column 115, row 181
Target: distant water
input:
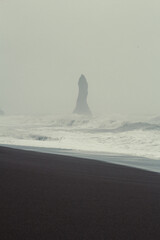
column 138, row 136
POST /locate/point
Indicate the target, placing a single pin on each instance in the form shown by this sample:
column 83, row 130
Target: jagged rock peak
column 82, row 105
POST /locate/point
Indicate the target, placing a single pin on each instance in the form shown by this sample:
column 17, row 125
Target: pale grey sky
column 47, row 44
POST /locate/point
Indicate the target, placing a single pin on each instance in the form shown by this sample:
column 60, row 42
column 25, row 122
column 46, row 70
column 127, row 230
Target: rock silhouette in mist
column 82, row 106
column 1, row 112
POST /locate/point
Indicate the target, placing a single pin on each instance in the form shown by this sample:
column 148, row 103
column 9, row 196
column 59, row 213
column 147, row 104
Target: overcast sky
column 45, row 45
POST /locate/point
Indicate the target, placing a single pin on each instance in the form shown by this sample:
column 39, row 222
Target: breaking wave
column 103, row 125
column 125, row 127
column 118, row 134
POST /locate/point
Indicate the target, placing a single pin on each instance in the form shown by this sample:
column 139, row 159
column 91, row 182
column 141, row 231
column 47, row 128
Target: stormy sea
column 107, row 138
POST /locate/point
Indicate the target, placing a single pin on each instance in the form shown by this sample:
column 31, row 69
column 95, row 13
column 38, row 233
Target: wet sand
column 54, row 197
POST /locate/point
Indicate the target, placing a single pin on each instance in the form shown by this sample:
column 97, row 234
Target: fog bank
column 46, row 46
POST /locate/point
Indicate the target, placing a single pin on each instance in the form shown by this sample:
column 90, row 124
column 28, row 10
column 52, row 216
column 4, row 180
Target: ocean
column 137, row 137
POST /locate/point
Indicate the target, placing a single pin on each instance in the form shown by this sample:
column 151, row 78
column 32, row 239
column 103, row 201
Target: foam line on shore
column 121, row 159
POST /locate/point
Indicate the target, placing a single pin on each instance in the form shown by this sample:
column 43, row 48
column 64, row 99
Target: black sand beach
column 53, row 197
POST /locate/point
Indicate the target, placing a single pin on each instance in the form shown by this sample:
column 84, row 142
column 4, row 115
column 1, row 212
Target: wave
column 125, row 127
column 103, row 125
column 42, row 138
column 135, row 136
column 139, row 126
column 74, row 123
column 39, row 137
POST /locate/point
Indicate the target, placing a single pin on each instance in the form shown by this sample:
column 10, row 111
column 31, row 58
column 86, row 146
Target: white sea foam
column 120, row 135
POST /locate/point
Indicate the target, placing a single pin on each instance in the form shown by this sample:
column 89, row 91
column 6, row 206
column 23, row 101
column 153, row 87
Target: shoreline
column 137, row 162
column 49, row 196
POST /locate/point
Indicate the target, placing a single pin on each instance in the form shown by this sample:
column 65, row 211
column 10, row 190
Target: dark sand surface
column 53, row 197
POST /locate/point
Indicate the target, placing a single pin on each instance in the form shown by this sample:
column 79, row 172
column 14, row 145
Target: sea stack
column 1, row 112
column 82, row 106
